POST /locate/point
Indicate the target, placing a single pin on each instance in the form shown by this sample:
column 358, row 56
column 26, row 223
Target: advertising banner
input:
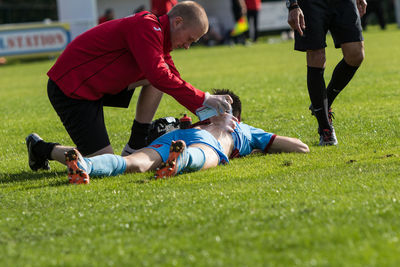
column 24, row 40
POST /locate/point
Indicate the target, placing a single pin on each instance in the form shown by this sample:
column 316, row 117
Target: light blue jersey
column 245, row 138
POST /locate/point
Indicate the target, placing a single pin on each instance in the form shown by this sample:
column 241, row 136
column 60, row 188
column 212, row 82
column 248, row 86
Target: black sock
column 317, row 92
column 139, row 133
column 341, row 76
column 43, row 149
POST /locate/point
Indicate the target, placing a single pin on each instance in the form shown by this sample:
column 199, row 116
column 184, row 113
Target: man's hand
column 362, row 7
column 220, row 103
column 225, row 121
column 296, row 20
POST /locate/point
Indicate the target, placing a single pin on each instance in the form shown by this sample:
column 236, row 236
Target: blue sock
column 105, row 165
column 197, row 158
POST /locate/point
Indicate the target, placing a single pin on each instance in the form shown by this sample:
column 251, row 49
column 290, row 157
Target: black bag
column 162, row 126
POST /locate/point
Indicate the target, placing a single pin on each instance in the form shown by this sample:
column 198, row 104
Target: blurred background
column 39, row 27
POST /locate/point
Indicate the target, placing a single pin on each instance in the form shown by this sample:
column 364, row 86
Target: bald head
column 188, row 23
column 192, row 13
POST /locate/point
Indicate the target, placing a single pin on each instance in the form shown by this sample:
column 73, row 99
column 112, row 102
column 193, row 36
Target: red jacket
column 110, row 56
column 161, row 7
column 253, row 4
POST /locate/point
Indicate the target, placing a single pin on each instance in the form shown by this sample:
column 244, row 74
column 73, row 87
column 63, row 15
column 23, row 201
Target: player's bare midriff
column 222, row 136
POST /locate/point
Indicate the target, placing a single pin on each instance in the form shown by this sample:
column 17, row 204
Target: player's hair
column 191, row 12
column 236, row 105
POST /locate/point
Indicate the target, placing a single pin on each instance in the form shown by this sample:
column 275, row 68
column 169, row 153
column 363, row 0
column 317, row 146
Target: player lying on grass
column 204, row 146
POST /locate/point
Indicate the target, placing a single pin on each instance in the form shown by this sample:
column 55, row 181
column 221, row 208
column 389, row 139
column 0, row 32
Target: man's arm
column 146, row 45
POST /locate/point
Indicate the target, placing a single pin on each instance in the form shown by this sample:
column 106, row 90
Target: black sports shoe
column 35, row 162
column 327, row 137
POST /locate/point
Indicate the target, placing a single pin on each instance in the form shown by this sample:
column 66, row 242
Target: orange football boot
column 76, row 175
column 177, row 160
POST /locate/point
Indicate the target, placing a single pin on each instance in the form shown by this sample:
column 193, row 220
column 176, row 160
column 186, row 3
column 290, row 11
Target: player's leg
column 181, row 158
column 58, row 152
column 211, row 158
column 81, row 168
column 287, row 144
column 143, row 160
column 146, row 107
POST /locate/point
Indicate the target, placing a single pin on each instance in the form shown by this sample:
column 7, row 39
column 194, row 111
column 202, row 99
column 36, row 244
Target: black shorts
column 83, row 120
column 340, row 17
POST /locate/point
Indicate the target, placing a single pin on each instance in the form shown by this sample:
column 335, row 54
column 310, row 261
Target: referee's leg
column 353, row 53
column 353, row 56
column 316, row 61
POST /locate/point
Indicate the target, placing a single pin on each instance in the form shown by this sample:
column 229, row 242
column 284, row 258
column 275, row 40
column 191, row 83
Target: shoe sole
column 75, row 174
column 327, row 144
column 169, row 168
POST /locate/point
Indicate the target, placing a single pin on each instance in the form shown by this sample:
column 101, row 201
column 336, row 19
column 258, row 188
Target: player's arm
column 271, row 143
column 296, row 16
column 284, row 144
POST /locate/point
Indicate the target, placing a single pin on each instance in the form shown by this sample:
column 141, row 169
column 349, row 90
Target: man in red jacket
column 111, row 57
column 253, row 8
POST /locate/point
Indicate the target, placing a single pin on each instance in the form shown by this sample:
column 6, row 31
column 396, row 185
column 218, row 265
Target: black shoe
column 327, row 137
column 35, row 162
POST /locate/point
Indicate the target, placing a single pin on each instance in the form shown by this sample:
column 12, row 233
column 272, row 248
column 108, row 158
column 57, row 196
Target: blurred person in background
column 108, row 15
column 213, row 36
column 376, row 7
column 139, row 9
column 239, row 12
column 253, row 8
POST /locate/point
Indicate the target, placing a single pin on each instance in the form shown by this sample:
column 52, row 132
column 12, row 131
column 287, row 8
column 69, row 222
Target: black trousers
column 252, row 17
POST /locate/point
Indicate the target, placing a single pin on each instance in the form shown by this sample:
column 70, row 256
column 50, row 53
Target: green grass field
column 336, row 206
